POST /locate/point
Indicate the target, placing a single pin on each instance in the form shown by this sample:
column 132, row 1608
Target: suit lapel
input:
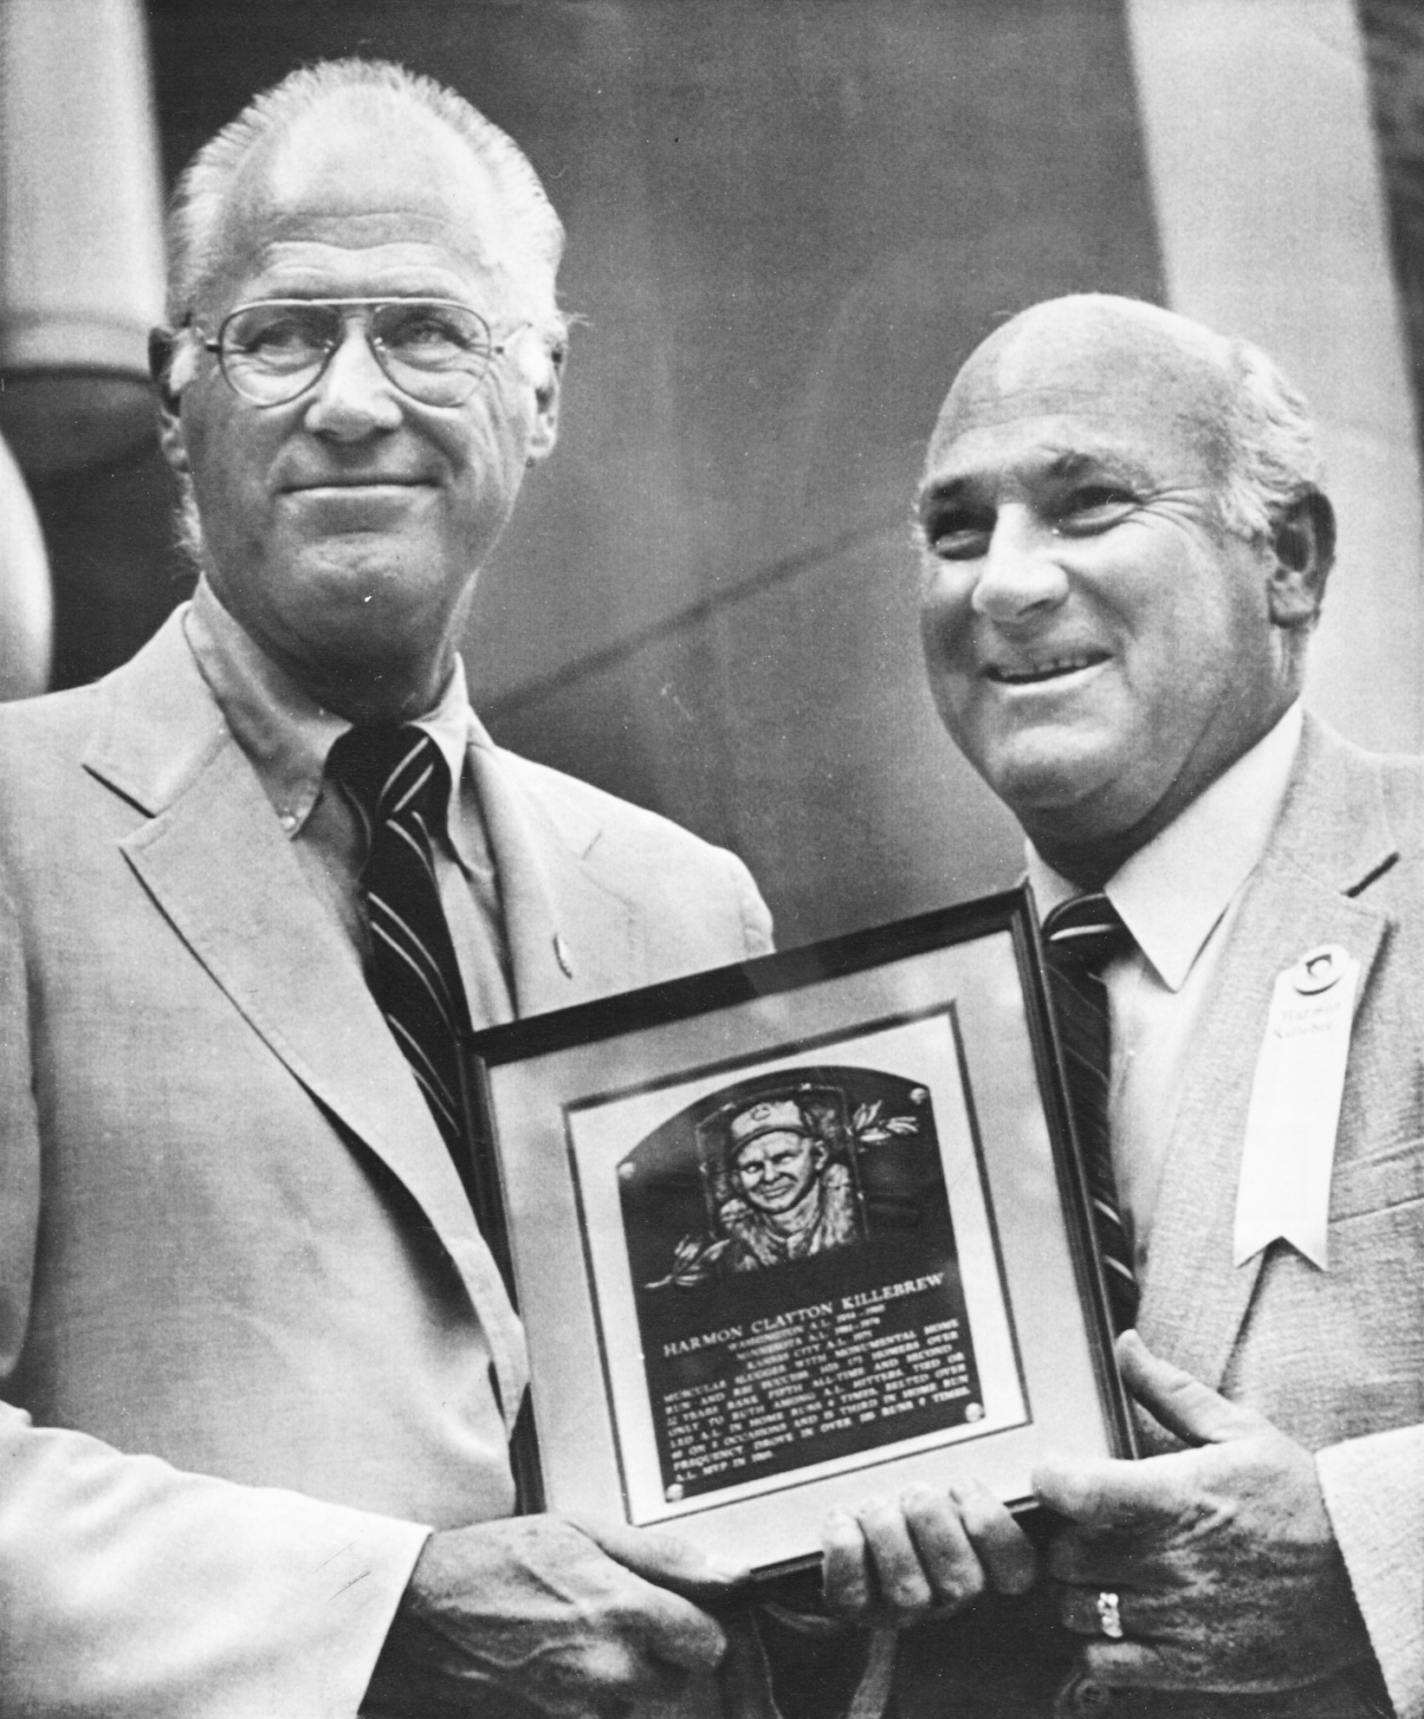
column 1311, row 888
column 215, row 862
column 571, row 934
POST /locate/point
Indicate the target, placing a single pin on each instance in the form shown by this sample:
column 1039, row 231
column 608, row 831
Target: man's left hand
column 1222, row 1558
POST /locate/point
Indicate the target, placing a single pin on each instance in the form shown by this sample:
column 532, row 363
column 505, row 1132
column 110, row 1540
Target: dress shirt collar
column 1173, row 892
column 287, row 734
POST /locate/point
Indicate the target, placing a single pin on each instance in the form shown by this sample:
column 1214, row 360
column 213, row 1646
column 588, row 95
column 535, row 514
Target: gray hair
column 1272, row 458
column 197, row 214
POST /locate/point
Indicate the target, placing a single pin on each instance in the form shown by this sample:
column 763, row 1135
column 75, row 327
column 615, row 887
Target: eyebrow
column 1062, row 468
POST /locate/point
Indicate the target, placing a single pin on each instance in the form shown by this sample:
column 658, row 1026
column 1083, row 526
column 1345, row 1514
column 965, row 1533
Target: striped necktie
column 1080, row 937
column 398, row 783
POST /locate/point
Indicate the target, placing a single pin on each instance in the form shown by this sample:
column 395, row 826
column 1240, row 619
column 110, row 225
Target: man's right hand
column 545, row 1615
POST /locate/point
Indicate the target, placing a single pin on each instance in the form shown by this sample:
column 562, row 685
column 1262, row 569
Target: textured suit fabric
column 1335, row 1358
column 231, row 1238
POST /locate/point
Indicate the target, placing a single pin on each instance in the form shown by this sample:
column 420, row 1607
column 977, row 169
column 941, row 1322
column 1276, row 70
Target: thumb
column 1185, row 1406
column 670, row 1621
column 666, row 1560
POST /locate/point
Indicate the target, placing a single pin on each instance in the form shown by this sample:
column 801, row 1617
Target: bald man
column 1125, row 548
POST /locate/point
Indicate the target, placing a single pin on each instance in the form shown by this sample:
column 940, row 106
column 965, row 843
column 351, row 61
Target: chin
column 1050, row 777
column 373, row 584
column 342, row 564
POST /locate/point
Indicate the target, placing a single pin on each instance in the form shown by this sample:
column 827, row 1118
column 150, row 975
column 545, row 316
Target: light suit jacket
column 231, row 1239
column 1335, row 1358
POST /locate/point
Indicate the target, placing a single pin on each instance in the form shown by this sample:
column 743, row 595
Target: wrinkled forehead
column 1110, row 378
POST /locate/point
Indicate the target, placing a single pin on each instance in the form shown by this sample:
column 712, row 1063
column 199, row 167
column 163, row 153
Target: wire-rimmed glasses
column 433, row 349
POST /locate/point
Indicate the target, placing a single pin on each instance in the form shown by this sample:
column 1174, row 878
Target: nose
column 353, row 397
column 1021, row 574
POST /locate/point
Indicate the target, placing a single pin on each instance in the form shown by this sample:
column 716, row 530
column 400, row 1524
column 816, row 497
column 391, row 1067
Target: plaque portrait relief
column 777, row 1256
column 797, row 1232
column 780, row 1181
column 809, row 1303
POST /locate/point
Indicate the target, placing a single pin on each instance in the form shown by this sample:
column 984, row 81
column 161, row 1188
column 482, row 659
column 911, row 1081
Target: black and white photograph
column 875, row 547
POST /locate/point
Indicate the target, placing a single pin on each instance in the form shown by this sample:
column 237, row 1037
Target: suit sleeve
column 1374, row 1492
column 128, row 1588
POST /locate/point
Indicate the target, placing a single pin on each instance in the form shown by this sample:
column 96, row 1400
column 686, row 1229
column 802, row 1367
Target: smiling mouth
column 1050, row 669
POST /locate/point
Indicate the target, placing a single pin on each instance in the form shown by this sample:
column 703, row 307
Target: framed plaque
column 794, row 1233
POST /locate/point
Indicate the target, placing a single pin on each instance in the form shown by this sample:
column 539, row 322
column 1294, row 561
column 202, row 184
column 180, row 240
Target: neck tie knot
column 1087, row 930
column 393, row 775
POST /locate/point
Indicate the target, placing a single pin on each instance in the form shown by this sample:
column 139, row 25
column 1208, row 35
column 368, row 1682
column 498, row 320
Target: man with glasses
column 253, row 889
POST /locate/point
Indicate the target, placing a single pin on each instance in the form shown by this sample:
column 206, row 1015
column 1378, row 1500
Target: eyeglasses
column 432, row 349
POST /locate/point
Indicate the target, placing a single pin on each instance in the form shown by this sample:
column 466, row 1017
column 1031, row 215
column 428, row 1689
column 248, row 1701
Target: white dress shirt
column 1178, row 896
column 287, row 735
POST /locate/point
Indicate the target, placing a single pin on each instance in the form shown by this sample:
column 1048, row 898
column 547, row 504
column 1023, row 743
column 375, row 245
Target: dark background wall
column 788, row 223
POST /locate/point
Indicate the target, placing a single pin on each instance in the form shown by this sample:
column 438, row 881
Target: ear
column 1303, row 544
column 546, row 384
column 161, row 342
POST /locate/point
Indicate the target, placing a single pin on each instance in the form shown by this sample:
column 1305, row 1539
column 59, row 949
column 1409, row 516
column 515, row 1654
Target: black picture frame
column 795, row 1232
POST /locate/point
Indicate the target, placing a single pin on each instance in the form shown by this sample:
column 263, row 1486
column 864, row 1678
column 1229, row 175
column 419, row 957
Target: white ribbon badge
column 1295, row 1107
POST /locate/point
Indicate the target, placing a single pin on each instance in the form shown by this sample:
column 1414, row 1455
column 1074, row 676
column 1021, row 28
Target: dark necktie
column 399, row 785
column 1080, row 937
